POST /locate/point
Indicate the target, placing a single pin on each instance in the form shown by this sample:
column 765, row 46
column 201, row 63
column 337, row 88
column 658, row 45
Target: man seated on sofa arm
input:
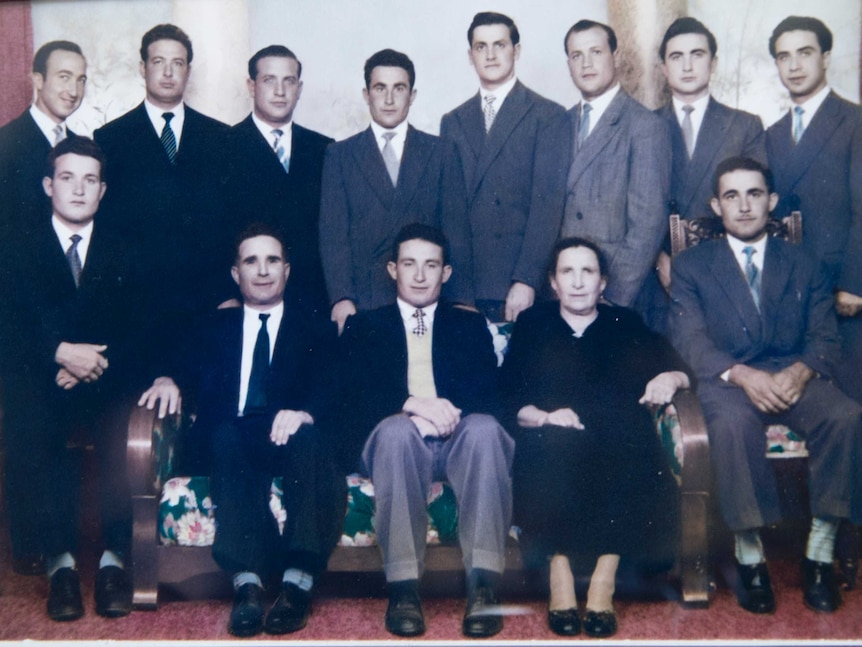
column 261, row 376
column 420, row 394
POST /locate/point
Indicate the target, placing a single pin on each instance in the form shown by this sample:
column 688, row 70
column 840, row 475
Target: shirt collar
column 811, row 106
column 600, row 104
column 276, row 312
column 400, row 131
column 64, row 234
column 699, row 106
column 266, row 130
column 407, row 313
column 500, row 93
column 46, row 124
column 155, row 114
column 737, row 246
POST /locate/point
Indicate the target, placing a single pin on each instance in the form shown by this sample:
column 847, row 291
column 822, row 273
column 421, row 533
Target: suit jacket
column 361, row 212
column 258, row 189
column 498, row 172
column 615, row 187
column 823, row 172
column 374, row 361
column 715, row 324
column 724, row 133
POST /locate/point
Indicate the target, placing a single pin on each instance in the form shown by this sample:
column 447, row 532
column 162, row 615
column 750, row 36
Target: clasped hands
column 435, row 417
column 772, row 392
column 79, row 363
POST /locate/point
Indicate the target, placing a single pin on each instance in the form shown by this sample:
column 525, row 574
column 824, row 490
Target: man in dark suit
column 381, row 179
column 495, row 132
column 165, row 165
column 71, row 364
column 276, row 167
column 604, row 172
column 753, row 316
column 815, row 151
column 420, row 382
column 260, row 376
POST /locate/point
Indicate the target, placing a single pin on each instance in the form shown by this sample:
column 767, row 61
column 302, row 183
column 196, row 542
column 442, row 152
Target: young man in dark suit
column 420, row 399
column 753, row 316
column 815, row 151
column 262, row 379
column 381, row 179
column 276, row 166
column 495, row 132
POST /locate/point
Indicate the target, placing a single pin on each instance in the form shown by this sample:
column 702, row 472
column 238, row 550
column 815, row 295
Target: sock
column 403, row 587
column 749, row 548
column 246, row 577
column 821, row 540
column 110, row 558
column 562, row 585
column 302, row 580
column 600, row 595
column 54, row 564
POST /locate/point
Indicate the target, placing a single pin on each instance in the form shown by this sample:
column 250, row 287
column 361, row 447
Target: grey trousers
column 476, row 461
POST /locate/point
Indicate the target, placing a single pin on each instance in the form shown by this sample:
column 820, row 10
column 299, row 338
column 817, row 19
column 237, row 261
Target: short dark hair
column 732, row 164
column 419, row 231
column 255, row 229
column 389, row 58
column 802, row 23
column 490, row 18
column 40, row 59
column 576, row 241
column 687, row 25
column 76, row 145
column 584, row 25
column 166, row 32
column 279, row 51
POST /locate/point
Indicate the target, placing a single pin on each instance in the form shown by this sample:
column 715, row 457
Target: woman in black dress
column 590, row 478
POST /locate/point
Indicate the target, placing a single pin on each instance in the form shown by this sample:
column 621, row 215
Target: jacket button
column 579, row 216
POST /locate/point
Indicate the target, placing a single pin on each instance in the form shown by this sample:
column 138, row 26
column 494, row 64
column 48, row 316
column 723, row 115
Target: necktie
column 420, row 328
column 283, row 157
column 74, row 259
column 798, row 128
column 752, row 274
column 688, row 130
column 169, row 141
column 59, row 133
column 489, row 111
column 584, row 127
column 390, row 159
column 255, row 400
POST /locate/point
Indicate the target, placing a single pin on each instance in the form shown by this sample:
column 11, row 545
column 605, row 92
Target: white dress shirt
column 599, row 105
column 265, row 129
column 250, row 329
column 499, row 94
column 397, row 142
column 697, row 115
column 46, row 124
column 64, row 235
column 810, row 107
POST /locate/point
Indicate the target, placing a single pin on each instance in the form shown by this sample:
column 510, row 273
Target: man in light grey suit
column 604, row 171
column 495, row 132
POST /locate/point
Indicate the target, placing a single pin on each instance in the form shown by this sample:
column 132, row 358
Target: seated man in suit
column 381, row 179
column 420, row 389
column 260, row 377
column 71, row 348
column 753, row 316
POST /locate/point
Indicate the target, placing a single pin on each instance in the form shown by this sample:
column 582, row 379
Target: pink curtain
column 16, row 57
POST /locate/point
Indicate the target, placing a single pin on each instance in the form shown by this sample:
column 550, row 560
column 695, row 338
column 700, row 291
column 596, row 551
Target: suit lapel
column 417, row 153
column 369, row 161
column 515, row 107
column 826, row 121
column 599, row 138
column 712, row 132
column 150, row 140
column 393, row 328
column 777, row 269
column 726, row 272
column 472, row 123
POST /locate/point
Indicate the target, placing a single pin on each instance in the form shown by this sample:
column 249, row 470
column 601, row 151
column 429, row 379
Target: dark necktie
column 255, row 400
column 74, row 259
column 169, row 141
column 420, row 328
column 752, row 274
column 280, row 152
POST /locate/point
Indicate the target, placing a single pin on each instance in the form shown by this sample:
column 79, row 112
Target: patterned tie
column 283, row 157
column 584, row 128
column 688, row 130
column 255, row 400
column 59, row 133
column 73, row 258
column 489, row 111
column 752, row 274
column 798, row 127
column 169, row 141
column 420, row 328
column 390, row 159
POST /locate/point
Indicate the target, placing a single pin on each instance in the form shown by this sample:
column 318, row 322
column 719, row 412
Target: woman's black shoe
column 564, row 622
column 600, row 624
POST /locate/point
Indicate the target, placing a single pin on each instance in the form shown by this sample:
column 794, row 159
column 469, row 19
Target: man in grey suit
column 604, row 171
column 495, row 132
column 816, row 154
column 379, row 180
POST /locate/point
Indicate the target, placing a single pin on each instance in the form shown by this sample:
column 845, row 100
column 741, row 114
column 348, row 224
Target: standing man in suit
column 165, row 166
column 381, row 179
column 276, row 167
column 71, row 351
column 420, row 396
column 815, row 151
column 260, row 376
column 495, row 132
column 753, row 316
column 604, row 172
column 703, row 131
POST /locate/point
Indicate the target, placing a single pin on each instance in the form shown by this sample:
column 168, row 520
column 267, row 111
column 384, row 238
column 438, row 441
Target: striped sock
column 821, row 540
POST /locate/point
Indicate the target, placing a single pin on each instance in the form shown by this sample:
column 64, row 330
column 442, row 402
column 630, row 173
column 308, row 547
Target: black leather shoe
column 482, row 618
column 113, row 592
column 246, row 616
column 820, row 586
column 564, row 622
column 29, row 564
column 64, row 600
column 600, row 624
column 404, row 613
column 754, row 588
column 290, row 611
